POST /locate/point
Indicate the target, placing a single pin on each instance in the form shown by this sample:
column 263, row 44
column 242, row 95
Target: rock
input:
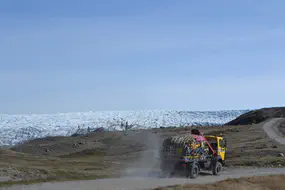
column 100, row 129
column 235, row 130
column 281, row 155
column 74, row 145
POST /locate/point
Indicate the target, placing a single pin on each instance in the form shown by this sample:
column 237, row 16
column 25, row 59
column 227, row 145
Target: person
column 187, row 150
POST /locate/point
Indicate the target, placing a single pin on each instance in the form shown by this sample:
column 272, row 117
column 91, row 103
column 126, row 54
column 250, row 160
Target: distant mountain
column 18, row 128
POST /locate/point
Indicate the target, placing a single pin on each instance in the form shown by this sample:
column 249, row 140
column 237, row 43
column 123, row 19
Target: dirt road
column 141, row 183
column 271, row 129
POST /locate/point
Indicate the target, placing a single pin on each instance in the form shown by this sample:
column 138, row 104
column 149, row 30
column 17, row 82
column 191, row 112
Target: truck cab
column 219, row 145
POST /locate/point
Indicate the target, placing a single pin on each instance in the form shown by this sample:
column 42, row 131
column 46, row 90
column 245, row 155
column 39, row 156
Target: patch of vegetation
column 268, row 161
column 86, row 152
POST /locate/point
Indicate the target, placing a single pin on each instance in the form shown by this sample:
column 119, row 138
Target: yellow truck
column 189, row 154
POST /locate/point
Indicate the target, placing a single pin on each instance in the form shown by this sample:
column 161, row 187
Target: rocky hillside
column 258, row 116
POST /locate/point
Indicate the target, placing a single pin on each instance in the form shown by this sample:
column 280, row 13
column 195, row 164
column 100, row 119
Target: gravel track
column 271, row 129
column 143, row 183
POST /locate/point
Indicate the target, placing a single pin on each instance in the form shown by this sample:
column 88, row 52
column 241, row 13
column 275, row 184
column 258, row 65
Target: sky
column 76, row 56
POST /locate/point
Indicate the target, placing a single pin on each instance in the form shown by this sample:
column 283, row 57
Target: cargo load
column 192, row 148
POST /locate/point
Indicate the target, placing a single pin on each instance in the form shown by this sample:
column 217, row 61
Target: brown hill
column 258, row 116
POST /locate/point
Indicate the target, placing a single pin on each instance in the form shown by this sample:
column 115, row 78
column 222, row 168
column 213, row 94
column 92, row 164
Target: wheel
column 193, row 171
column 217, row 168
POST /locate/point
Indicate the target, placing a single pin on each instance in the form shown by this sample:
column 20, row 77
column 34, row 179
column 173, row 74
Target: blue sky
column 68, row 56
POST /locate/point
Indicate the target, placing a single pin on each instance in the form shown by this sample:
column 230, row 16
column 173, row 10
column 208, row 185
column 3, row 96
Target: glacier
column 16, row 129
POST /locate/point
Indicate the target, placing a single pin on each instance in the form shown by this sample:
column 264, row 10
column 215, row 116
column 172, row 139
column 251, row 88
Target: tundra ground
column 118, row 154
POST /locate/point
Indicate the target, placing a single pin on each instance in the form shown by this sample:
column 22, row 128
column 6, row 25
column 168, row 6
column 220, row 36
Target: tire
column 218, row 167
column 193, row 171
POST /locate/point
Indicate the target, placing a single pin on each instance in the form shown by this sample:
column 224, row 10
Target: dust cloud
column 147, row 163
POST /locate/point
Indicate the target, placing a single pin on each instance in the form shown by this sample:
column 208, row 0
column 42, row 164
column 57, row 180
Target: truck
column 190, row 154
